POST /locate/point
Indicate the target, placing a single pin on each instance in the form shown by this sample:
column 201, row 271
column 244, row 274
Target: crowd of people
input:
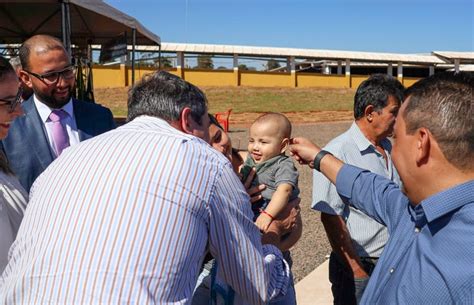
column 163, row 210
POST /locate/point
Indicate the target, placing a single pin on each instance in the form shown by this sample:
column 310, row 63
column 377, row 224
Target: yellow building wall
column 108, row 76
column 121, row 76
column 265, row 79
column 408, row 81
column 356, row 80
column 210, row 77
column 139, row 73
column 308, row 80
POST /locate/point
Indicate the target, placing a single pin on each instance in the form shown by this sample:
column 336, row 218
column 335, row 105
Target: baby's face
column 265, row 141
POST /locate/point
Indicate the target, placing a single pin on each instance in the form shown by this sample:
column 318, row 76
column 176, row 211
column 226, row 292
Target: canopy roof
column 92, row 22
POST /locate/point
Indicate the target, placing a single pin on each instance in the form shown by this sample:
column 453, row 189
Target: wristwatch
column 318, row 158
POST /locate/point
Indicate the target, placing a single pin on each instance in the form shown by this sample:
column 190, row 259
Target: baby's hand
column 263, row 222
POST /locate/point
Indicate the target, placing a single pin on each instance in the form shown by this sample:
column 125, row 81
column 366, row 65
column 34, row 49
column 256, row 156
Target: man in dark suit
column 53, row 120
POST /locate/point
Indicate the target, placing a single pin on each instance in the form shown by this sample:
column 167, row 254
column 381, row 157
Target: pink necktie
column 60, row 137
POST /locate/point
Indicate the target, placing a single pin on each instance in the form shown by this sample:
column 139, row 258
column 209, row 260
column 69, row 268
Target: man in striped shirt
column 356, row 239
column 127, row 217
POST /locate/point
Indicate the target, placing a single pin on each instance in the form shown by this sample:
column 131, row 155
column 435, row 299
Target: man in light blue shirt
column 429, row 256
column 357, row 240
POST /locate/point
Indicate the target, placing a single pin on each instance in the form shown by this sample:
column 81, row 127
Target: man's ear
column 186, row 121
column 284, row 144
column 368, row 113
column 423, row 145
column 25, row 78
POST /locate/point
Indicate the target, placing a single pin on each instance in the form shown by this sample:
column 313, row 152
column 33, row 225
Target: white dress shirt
column 70, row 122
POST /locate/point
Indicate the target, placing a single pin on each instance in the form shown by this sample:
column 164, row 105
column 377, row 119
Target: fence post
column 236, row 70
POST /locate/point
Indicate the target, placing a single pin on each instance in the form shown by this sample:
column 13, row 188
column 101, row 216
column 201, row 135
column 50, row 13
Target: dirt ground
column 313, row 247
column 296, row 118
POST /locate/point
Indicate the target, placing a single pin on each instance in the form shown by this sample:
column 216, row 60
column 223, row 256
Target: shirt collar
column 155, row 124
column 362, row 142
column 44, row 111
column 446, row 201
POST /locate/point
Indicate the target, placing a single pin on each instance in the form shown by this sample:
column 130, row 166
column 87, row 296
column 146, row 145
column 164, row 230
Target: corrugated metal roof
column 299, row 53
column 464, row 57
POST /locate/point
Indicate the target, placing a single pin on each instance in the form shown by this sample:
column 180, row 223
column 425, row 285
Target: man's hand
column 254, row 192
column 303, row 150
column 282, row 224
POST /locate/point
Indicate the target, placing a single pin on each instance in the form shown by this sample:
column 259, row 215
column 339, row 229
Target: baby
column 269, row 137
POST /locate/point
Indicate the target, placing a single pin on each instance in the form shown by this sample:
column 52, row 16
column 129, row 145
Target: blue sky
column 400, row 26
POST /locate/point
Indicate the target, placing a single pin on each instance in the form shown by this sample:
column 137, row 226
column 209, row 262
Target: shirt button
column 417, row 230
column 392, row 270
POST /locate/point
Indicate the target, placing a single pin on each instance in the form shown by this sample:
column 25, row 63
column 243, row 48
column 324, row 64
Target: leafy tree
column 165, row 63
column 243, row 67
column 204, row 61
column 272, row 64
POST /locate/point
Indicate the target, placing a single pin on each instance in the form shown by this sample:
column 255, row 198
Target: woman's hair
column 213, row 121
column 5, row 69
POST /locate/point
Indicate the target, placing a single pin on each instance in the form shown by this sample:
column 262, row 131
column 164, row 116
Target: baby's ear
column 284, row 144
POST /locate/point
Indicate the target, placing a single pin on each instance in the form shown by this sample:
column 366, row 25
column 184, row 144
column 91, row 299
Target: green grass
column 250, row 99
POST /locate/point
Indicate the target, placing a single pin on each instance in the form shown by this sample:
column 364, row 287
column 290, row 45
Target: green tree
column 204, row 61
column 243, row 67
column 272, row 64
column 165, row 63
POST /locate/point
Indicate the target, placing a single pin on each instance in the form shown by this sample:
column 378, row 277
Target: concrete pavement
column 315, row 288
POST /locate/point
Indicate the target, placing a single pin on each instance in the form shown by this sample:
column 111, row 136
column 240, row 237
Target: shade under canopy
column 91, row 22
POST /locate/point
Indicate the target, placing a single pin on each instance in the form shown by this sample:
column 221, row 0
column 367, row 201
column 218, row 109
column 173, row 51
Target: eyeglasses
column 13, row 103
column 52, row 78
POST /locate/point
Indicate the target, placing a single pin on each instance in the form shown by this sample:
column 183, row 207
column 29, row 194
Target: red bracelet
column 268, row 214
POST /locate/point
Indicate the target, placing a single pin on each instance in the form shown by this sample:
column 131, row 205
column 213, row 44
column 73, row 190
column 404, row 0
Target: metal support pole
column 134, row 40
column 159, row 56
column 66, row 26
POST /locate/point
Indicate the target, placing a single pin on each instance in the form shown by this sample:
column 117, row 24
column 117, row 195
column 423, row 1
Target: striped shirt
column 352, row 147
column 126, row 218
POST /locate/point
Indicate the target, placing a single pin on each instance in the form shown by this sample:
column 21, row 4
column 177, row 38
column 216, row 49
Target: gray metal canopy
column 91, row 22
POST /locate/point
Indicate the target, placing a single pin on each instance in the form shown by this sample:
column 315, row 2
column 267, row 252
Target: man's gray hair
column 443, row 104
column 165, row 95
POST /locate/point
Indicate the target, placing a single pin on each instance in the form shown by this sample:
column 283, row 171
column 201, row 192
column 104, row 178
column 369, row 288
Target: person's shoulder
column 466, row 214
column 341, row 144
column 90, row 106
column 286, row 160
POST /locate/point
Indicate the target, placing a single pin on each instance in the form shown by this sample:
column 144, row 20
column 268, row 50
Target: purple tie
column 60, row 137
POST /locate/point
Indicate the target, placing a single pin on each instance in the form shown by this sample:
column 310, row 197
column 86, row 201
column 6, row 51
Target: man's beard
column 52, row 102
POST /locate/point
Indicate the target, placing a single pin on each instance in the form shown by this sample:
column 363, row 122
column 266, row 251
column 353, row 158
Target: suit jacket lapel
column 35, row 133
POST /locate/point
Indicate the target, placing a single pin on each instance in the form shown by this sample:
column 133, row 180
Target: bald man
column 53, row 120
